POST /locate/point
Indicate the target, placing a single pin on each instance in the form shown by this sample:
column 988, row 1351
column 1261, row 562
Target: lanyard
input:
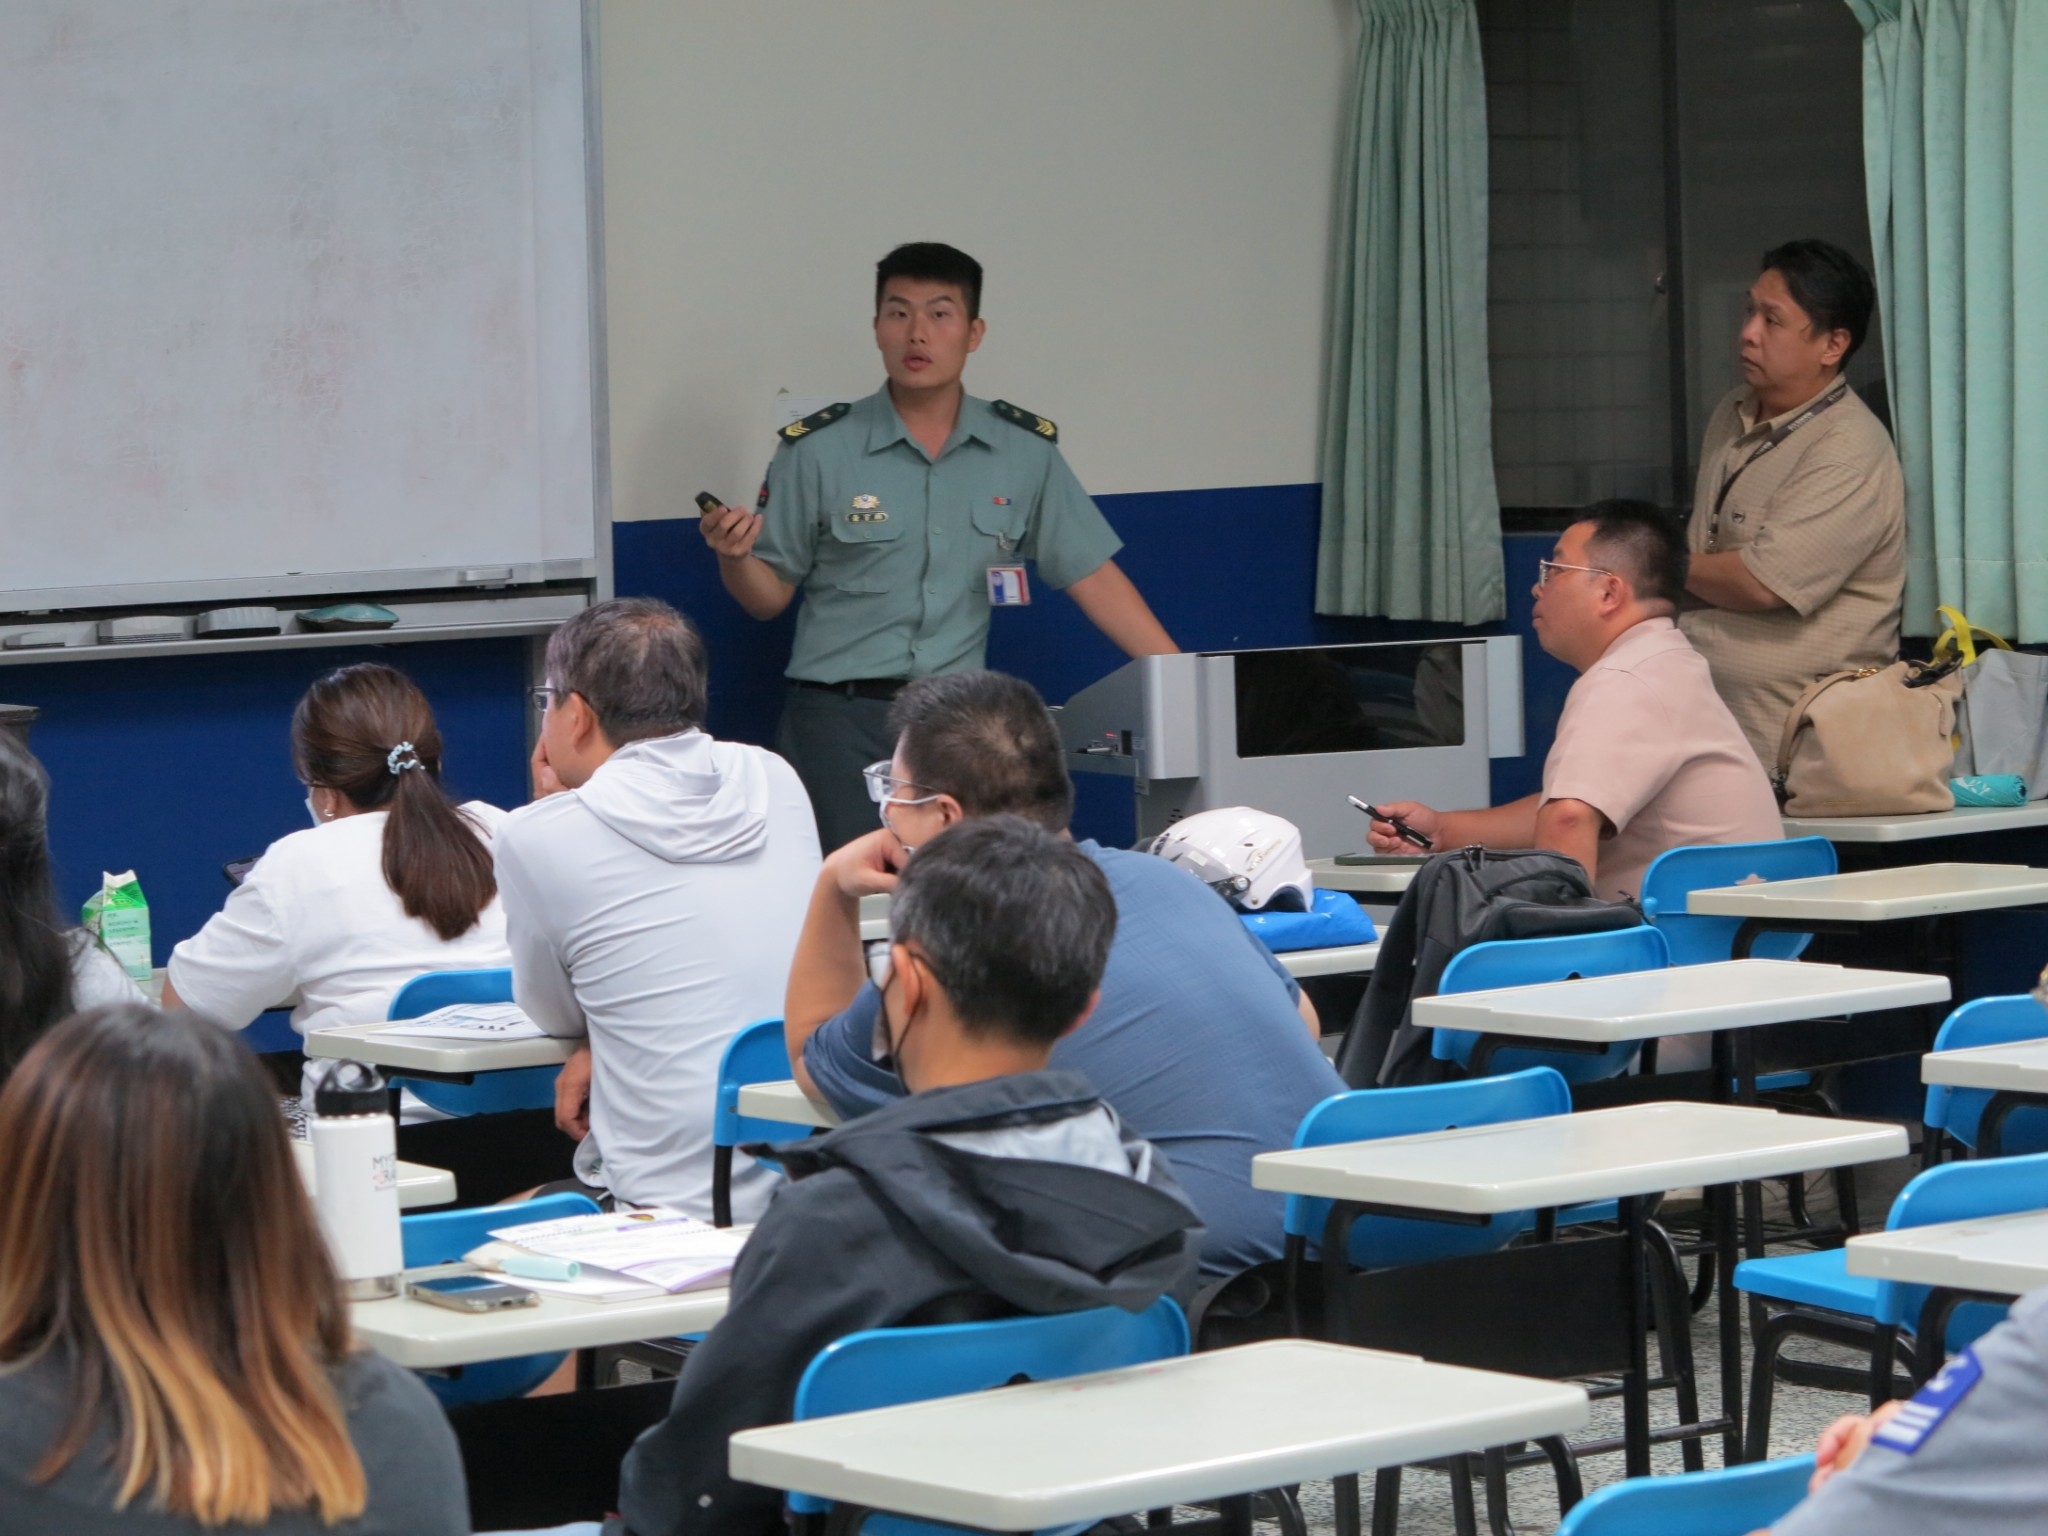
column 1778, row 435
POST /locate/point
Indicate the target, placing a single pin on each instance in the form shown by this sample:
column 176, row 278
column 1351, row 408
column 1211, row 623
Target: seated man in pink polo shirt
column 1647, row 757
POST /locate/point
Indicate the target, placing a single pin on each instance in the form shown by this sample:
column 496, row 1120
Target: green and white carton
column 118, row 918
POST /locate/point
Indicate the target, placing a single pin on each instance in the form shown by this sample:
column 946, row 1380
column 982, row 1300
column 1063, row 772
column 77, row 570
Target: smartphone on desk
column 471, row 1293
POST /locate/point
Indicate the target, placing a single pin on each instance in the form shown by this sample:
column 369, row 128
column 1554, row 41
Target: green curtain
column 1955, row 144
column 1411, row 519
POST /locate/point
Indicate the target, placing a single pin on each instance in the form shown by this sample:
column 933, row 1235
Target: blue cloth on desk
column 1196, row 1043
column 1334, row 919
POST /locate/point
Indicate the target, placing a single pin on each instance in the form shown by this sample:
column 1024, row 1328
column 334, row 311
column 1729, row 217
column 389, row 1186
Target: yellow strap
column 1961, row 637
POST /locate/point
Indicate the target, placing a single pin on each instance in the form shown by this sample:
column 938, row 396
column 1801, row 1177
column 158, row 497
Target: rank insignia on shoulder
column 812, row 422
column 1030, row 421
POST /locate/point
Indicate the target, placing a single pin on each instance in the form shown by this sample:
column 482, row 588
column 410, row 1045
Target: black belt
column 882, row 688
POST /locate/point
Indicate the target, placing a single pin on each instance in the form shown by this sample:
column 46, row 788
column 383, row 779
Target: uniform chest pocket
column 1006, row 524
column 858, row 528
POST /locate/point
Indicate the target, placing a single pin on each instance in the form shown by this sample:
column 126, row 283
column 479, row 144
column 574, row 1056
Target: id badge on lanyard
column 1777, row 436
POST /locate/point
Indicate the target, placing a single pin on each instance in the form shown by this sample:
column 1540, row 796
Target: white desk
column 787, row 1103
column 1878, row 895
column 417, row 1184
column 1601, row 1154
column 1337, row 960
column 2002, row 1255
column 1961, row 822
column 420, row 1337
column 2021, row 1067
column 415, row 1053
column 1725, row 995
column 1207, row 1426
column 1388, row 879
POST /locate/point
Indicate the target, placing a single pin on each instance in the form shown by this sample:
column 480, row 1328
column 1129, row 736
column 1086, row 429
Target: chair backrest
column 1370, row 1114
column 1999, row 1186
column 1986, row 1021
column 1529, row 962
column 1730, row 1501
column 1677, row 872
column 759, row 1053
column 882, row 1367
column 442, row 1237
column 438, row 989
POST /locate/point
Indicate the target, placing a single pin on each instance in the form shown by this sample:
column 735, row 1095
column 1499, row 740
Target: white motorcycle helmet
column 1250, row 858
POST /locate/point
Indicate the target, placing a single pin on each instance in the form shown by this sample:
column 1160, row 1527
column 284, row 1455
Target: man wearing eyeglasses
column 1647, row 756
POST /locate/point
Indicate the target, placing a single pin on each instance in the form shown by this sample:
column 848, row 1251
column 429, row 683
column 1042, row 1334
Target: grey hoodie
column 657, row 908
column 885, row 1223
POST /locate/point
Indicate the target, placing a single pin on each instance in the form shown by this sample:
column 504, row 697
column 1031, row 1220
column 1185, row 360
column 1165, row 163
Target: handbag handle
column 1796, row 717
column 1959, row 639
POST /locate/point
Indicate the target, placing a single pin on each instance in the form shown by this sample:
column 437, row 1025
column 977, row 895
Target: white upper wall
column 1148, row 184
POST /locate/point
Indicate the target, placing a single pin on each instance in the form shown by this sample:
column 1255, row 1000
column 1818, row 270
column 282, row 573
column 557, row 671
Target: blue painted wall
column 173, row 765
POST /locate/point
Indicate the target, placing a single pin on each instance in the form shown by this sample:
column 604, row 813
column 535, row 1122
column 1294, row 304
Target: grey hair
column 639, row 665
column 1014, row 921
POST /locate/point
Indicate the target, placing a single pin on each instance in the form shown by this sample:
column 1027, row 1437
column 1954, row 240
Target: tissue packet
column 118, row 918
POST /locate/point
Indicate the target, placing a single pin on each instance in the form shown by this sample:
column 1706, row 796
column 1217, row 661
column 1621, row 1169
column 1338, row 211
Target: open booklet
column 623, row 1254
column 469, row 1021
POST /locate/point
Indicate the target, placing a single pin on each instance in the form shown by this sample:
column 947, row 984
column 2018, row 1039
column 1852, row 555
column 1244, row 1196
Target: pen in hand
column 1402, row 830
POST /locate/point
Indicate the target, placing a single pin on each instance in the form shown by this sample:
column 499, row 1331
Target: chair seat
column 1809, row 1280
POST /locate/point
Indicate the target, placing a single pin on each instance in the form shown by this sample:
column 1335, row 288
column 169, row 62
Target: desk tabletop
column 1388, row 879
column 1960, row 822
column 786, row 1103
column 422, row 1337
column 2020, row 1067
column 1203, row 1426
column 364, row 1042
column 1601, row 1154
column 2004, row 1255
column 1337, row 960
column 418, row 1184
column 1680, row 1000
column 1879, row 895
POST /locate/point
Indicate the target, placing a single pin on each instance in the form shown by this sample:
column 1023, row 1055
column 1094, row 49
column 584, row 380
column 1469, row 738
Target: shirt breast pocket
column 1005, row 525
column 861, row 554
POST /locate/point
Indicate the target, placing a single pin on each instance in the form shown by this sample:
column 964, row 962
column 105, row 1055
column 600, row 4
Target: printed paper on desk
column 469, row 1021
column 658, row 1249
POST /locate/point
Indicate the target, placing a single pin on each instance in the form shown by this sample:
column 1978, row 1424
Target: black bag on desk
column 1466, row 896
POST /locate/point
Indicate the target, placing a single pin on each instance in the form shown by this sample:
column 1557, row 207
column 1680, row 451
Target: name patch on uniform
column 1008, row 586
column 1907, row 1430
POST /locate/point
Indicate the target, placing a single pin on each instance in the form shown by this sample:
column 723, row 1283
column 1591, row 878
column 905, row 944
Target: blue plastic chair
column 1730, row 1501
column 1677, row 872
column 1958, row 1113
column 884, row 1367
column 1824, row 1301
column 492, row 1092
column 759, row 1053
column 1529, row 962
column 442, row 1237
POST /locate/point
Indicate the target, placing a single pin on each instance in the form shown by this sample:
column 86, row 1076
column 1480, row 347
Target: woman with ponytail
column 175, row 1355
column 391, row 880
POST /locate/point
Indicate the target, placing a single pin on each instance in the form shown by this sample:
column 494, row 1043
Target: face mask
column 312, row 811
column 882, row 1050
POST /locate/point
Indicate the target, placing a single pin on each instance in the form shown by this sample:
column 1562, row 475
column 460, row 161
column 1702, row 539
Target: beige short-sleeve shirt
column 1646, row 741
column 1820, row 520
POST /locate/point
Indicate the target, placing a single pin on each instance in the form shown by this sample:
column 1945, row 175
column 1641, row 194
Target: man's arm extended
column 1119, row 610
column 829, row 968
column 731, row 532
column 1569, row 827
column 1725, row 581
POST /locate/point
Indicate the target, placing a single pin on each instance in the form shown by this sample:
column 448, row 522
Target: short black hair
column 1015, row 923
column 927, row 261
column 1833, row 287
column 640, row 666
column 1641, row 544
column 986, row 739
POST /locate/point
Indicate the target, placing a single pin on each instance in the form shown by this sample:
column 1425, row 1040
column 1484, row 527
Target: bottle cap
column 350, row 1088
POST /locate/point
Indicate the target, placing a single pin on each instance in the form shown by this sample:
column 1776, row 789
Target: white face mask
column 312, row 810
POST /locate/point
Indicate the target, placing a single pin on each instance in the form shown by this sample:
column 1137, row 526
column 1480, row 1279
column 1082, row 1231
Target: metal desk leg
column 1727, row 1245
column 1635, row 1388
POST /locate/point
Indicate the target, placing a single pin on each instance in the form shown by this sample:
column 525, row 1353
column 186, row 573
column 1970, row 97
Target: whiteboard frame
column 38, row 607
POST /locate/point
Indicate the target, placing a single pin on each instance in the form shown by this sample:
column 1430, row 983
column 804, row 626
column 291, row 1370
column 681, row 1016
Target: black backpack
column 1465, row 896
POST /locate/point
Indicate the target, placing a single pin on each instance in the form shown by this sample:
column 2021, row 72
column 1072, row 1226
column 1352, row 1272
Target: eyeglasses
column 1545, row 567
column 883, row 786
column 542, row 695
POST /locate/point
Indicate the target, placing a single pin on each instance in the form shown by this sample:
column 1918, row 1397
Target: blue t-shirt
column 1196, row 1043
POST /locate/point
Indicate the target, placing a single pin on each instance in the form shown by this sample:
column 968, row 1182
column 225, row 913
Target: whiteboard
column 296, row 296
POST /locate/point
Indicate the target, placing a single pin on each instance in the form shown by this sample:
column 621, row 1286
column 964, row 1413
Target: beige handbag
column 1879, row 742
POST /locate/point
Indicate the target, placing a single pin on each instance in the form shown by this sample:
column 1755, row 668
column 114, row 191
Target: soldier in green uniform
column 904, row 518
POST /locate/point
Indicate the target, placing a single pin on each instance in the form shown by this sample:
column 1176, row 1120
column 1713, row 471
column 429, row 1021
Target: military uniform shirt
column 892, row 547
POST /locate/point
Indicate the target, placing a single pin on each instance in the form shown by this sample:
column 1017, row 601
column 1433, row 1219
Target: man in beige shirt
column 1798, row 531
column 1647, row 757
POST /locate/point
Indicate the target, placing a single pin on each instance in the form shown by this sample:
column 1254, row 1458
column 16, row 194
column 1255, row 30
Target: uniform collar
column 977, row 423
column 1746, row 410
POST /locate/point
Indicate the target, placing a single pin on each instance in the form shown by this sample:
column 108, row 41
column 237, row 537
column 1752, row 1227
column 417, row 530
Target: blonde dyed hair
column 154, row 1235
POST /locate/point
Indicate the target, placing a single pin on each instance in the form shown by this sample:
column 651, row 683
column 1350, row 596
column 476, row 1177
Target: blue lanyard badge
column 1908, row 1429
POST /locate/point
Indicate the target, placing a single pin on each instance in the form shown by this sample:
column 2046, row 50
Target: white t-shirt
column 657, row 909
column 315, row 925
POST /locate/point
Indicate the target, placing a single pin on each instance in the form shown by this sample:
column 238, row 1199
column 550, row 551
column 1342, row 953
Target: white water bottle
column 355, row 1178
